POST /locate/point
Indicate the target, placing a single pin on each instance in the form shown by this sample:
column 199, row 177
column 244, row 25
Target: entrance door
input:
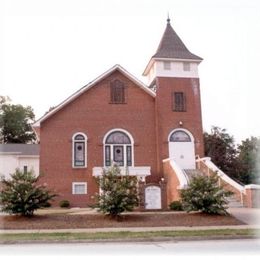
column 181, row 149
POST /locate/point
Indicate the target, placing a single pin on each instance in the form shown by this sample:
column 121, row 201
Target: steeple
column 172, row 58
column 172, row 47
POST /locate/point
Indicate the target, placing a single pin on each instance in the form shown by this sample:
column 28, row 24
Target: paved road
column 242, row 248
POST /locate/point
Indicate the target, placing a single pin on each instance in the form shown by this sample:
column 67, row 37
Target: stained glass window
column 79, row 150
column 118, row 138
column 118, row 149
column 180, row 136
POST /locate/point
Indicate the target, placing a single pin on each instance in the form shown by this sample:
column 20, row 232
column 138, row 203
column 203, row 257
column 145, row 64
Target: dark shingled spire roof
column 172, row 47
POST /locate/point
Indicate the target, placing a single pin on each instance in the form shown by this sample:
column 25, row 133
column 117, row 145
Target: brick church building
column 154, row 131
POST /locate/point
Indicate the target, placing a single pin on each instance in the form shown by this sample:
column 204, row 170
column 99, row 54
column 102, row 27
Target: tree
column 249, row 156
column 22, row 195
column 118, row 193
column 3, row 100
column 220, row 146
column 15, row 123
column 203, row 194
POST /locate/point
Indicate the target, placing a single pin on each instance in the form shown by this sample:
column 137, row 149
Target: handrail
column 221, row 174
column 179, row 172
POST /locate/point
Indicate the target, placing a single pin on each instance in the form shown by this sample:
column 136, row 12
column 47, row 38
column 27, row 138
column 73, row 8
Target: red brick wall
column 252, row 198
column 172, row 182
column 167, row 120
column 92, row 114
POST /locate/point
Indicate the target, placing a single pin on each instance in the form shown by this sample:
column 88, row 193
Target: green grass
column 126, row 235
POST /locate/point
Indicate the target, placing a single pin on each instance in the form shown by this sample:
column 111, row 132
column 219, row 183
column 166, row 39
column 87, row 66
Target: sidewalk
column 250, row 216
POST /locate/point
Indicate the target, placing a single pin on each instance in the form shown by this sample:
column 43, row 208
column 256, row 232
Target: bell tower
column 172, row 73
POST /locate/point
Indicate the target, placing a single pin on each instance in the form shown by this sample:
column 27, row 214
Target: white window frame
column 124, row 147
column 73, row 150
column 79, row 183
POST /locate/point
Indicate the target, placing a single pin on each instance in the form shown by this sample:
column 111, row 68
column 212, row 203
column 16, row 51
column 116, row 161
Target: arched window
column 118, row 149
column 79, row 150
column 180, row 136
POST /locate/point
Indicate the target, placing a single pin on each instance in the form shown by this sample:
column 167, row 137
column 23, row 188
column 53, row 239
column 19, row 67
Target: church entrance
column 181, row 148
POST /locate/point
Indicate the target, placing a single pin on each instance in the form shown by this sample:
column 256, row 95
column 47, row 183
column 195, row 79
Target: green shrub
column 119, row 192
column 64, row 204
column 22, row 195
column 176, row 206
column 205, row 195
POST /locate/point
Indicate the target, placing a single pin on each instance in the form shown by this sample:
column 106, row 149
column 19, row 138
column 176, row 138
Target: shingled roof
column 20, row 149
column 172, row 47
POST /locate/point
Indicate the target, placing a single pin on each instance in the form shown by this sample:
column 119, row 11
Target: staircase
column 234, row 203
column 189, row 173
column 232, row 200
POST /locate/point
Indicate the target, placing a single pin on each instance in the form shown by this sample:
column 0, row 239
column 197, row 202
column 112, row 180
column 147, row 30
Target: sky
column 49, row 49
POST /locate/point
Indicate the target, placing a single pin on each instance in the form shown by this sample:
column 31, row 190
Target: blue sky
column 50, row 49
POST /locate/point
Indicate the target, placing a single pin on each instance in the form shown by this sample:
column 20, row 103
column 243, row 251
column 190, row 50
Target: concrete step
column 192, row 172
column 234, row 203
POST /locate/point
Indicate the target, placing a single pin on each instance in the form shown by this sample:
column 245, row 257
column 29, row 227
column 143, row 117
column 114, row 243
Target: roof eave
column 89, row 85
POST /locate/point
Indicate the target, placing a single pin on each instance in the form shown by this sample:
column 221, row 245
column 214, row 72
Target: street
column 239, row 248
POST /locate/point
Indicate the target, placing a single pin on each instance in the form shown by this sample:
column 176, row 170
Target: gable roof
column 171, row 46
column 20, row 149
column 116, row 67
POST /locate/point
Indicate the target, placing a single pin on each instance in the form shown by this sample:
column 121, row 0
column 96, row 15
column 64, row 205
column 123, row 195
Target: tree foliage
column 239, row 162
column 15, row 123
column 220, row 146
column 118, row 193
column 249, row 156
column 203, row 194
column 22, row 195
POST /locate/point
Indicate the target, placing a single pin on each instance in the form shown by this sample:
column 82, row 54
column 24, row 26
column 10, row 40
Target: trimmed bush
column 176, row 206
column 64, row 204
column 119, row 192
column 21, row 194
column 205, row 195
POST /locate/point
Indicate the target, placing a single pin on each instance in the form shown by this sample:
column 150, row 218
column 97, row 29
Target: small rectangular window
column 167, row 65
column 186, row 66
column 79, row 188
column 179, row 102
column 117, row 94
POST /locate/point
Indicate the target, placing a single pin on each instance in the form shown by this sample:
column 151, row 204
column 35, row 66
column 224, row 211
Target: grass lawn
column 128, row 235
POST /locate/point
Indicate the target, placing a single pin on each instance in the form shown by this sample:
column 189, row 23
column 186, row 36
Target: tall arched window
column 118, row 149
column 79, row 150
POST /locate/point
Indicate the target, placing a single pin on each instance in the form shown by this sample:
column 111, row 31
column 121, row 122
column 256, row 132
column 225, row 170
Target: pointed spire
column 168, row 19
column 171, row 46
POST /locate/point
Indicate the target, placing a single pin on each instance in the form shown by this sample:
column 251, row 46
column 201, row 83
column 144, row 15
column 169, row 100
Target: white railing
column 221, row 174
column 182, row 177
column 139, row 171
